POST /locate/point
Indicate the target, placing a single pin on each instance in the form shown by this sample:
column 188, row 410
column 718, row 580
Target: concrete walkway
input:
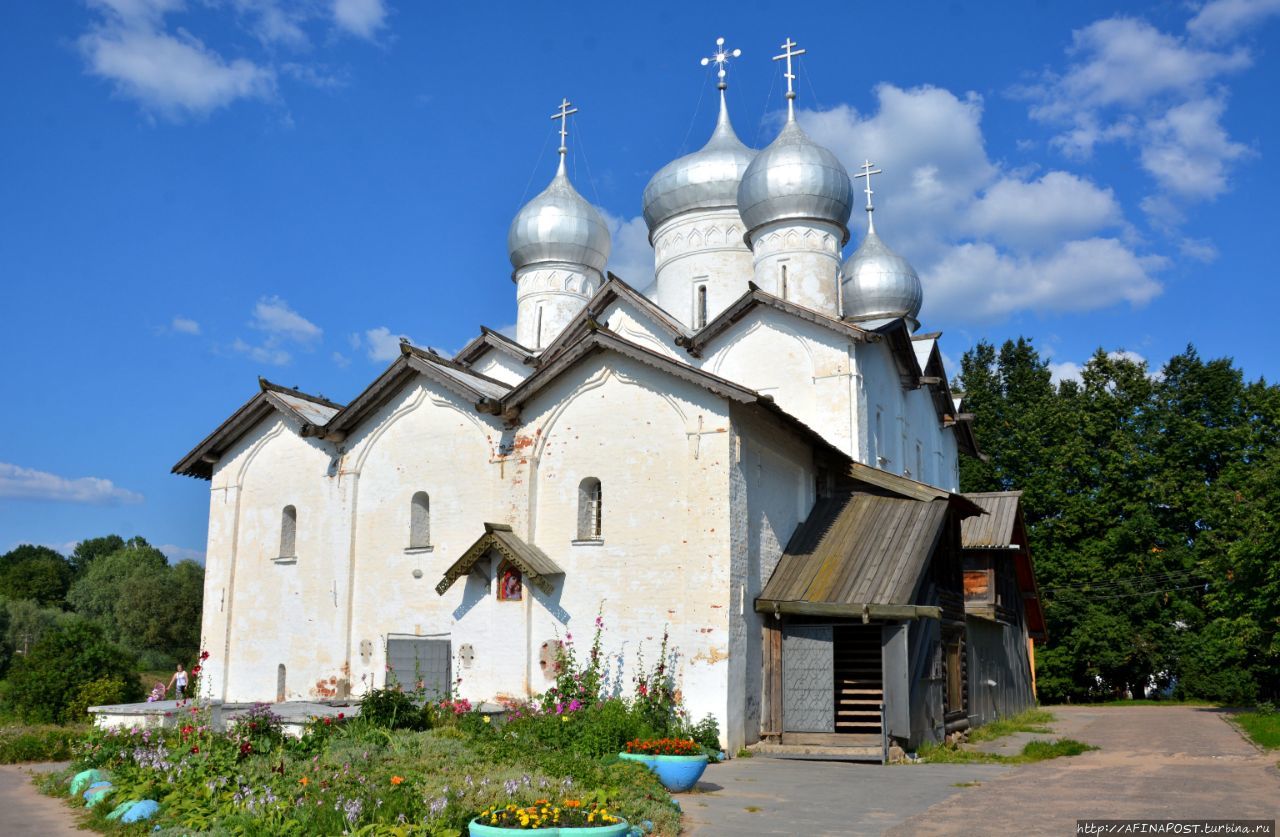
column 1165, row 762
column 24, row 811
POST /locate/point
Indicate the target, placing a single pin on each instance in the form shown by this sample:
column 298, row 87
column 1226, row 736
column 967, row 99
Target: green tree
column 45, row 681
column 93, row 548
column 35, row 572
column 160, row 610
column 27, row 622
column 98, row 591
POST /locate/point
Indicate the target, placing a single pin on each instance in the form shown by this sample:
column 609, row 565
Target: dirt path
column 25, row 811
column 1174, row 762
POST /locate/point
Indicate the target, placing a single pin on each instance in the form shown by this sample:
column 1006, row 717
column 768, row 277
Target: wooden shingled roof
column 532, row 562
column 858, row 554
column 995, row 528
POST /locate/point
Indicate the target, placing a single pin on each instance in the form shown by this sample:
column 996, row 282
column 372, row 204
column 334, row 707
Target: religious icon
column 510, row 584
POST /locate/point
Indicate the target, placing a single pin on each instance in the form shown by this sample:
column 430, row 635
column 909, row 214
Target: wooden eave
column 589, row 318
column 912, row 489
column 754, row 297
column 491, row 340
column 199, row 462
column 411, row 363
column 532, row 562
column 601, row 338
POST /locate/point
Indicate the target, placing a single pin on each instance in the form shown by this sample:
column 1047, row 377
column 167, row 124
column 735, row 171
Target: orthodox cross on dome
column 563, row 115
column 868, row 170
column 721, row 59
column 789, row 51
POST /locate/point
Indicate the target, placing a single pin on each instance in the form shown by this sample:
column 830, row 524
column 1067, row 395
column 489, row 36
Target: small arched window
column 420, row 521
column 289, row 532
column 700, row 305
column 590, row 510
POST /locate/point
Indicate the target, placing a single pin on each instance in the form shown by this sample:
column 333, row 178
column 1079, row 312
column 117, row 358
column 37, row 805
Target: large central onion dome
column 559, row 225
column 705, row 179
column 877, row 283
column 794, row 178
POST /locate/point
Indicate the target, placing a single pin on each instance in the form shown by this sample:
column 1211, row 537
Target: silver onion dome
column 706, row 179
column 877, row 283
column 559, row 225
column 795, row 178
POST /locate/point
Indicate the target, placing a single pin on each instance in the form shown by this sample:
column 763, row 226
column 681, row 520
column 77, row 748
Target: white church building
column 656, row 457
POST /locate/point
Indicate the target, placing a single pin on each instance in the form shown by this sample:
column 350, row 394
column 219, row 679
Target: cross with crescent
column 868, row 170
column 721, row 58
column 563, row 115
column 789, row 51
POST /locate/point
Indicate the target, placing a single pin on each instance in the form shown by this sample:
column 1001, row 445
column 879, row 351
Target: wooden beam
column 850, row 610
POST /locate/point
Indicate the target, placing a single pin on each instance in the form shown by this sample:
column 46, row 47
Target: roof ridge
column 268, row 386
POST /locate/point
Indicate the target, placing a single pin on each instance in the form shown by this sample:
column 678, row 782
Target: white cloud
column 631, row 257
column 276, row 22
column 18, row 483
column 340, row 360
column 987, row 240
column 1161, row 93
column 172, row 73
column 981, row 281
column 382, row 345
column 360, row 17
column 274, row 316
column 1223, row 20
column 283, row 327
column 183, row 325
column 1041, row 213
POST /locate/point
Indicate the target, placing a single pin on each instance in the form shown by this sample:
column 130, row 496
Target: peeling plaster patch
column 711, row 656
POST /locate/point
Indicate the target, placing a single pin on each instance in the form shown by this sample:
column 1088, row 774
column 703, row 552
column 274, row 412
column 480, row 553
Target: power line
column 1172, row 575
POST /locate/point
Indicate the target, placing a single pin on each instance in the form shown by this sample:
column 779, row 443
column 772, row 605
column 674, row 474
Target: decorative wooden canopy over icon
column 532, row 562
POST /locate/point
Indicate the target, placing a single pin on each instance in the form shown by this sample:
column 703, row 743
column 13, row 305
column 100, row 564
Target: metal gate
column 808, row 694
column 417, row 664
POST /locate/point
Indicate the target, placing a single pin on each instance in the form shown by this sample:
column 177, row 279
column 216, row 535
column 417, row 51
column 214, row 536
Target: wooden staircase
column 859, row 679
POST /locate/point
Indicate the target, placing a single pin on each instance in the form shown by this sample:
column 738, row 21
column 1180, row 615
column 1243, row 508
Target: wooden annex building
column 899, row 613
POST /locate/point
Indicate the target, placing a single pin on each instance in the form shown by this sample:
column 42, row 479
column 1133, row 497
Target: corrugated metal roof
column 995, row 528
column 858, row 549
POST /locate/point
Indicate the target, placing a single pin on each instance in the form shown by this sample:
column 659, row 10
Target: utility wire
column 1143, row 593
column 1161, row 577
column 536, row 166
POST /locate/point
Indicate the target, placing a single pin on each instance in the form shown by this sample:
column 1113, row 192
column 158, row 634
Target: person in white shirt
column 179, row 682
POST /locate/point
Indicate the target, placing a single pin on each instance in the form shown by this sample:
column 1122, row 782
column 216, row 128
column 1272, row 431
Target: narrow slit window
column 537, row 342
column 590, row 510
column 700, row 304
column 420, row 521
column 289, row 532
column 784, row 282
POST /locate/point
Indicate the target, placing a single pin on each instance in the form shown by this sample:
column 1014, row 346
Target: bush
column 44, row 683
column 20, row 743
column 393, row 709
column 100, row 692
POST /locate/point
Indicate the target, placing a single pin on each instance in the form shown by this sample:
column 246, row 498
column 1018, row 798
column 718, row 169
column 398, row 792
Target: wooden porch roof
column 532, row 562
column 858, row 554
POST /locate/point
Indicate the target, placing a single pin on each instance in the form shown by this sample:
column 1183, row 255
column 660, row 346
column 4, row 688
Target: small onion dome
column 705, row 179
column 559, row 225
column 795, row 178
column 877, row 283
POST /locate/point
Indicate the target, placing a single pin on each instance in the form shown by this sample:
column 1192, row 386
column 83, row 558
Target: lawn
column 1262, row 727
column 38, row 742
column 1032, row 752
column 1033, row 720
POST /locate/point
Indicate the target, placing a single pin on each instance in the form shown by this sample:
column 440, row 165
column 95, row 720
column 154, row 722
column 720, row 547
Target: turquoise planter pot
column 677, row 773
column 620, row 829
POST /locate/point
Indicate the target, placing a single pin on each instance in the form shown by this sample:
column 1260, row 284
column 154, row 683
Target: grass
column 965, row 784
column 1148, row 702
column 1033, row 751
column 1262, row 727
column 744, row 753
column 1033, row 720
column 38, row 742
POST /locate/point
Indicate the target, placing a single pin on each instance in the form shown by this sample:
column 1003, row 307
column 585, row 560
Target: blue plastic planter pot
column 677, row 773
column 619, row 829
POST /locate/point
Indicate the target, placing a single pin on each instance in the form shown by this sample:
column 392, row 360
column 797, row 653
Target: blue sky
column 195, row 193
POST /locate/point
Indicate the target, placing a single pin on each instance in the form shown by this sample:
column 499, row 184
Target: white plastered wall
column 700, row 248
column 278, row 612
column 773, row 490
column 548, row 296
column 628, row 321
column 810, row 253
column 502, row 367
